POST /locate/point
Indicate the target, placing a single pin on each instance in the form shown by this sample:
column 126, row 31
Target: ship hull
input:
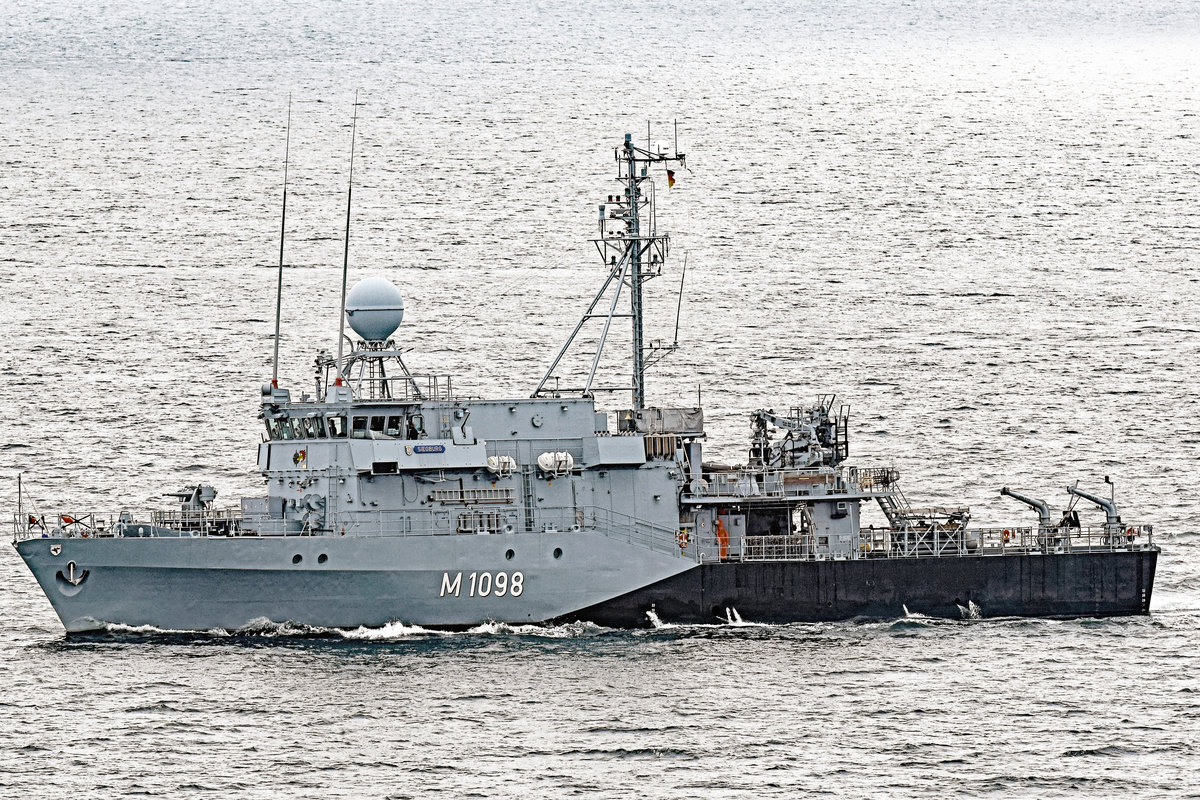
column 206, row 583
column 1078, row 584
column 209, row 583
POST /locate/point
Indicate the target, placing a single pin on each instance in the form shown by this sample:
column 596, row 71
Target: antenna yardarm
column 634, row 252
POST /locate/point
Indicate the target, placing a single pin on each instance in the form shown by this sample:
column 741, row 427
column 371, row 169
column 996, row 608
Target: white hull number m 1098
column 483, row 584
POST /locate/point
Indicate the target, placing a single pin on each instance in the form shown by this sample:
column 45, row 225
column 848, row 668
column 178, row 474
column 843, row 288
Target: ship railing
column 404, row 388
column 225, row 522
column 205, row 521
column 872, row 479
column 930, row 540
column 795, row 547
column 1093, row 538
column 657, row 537
column 935, row 542
column 572, row 445
column 433, row 387
column 769, row 483
column 107, row 524
column 565, row 520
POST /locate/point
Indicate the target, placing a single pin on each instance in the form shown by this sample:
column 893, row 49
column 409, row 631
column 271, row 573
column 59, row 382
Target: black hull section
column 1099, row 584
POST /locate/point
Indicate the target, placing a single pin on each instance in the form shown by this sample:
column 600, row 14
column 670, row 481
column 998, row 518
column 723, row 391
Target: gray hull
column 206, row 583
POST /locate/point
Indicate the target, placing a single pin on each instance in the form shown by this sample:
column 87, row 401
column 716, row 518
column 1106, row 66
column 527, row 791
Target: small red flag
column 670, row 178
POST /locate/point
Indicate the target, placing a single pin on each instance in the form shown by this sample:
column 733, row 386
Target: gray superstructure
column 389, row 498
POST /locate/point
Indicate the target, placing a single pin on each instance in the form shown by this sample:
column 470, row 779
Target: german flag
column 670, row 178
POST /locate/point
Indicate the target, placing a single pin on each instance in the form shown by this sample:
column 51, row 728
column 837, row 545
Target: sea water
column 976, row 223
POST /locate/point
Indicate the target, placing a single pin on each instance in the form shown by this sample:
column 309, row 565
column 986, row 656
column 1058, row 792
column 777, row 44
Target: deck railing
column 105, row 524
column 231, row 522
column 932, row 543
column 871, row 542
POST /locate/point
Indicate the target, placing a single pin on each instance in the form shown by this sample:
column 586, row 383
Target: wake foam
column 734, row 619
column 970, row 611
column 117, row 629
column 392, row 630
column 395, row 630
column 398, row 630
column 1168, row 601
column 657, row 622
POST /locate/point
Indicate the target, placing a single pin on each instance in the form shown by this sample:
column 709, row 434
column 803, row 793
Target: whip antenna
column 679, row 304
column 287, row 145
column 346, row 254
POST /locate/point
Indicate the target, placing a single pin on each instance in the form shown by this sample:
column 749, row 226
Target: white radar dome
column 374, row 309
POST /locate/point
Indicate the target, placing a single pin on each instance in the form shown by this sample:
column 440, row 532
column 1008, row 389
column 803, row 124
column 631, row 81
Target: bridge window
column 337, row 427
column 310, row 430
column 377, row 425
column 358, row 428
column 273, row 429
column 395, row 427
column 297, row 428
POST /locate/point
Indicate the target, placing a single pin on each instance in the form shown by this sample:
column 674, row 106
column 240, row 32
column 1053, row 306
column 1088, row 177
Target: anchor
column 71, row 577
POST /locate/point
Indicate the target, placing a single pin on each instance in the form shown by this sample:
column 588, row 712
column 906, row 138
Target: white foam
column 398, row 630
column 148, row 630
column 1167, row 601
column 569, row 630
column 265, row 627
column 658, row 623
column 970, row 610
column 392, row 630
column 733, row 618
column 914, row 614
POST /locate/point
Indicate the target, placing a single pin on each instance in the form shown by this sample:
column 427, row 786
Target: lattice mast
column 634, row 252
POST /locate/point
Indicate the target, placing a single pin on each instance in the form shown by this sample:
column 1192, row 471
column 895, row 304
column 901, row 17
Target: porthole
column 321, row 559
column 509, row 555
column 296, row 559
column 558, row 552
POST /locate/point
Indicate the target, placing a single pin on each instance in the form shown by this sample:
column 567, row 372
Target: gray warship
column 389, row 498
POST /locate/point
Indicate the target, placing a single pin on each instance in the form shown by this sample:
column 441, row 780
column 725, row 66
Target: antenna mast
column 287, row 147
column 634, row 252
column 346, row 254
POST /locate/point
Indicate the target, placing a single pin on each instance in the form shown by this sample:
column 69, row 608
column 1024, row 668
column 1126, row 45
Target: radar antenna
column 634, row 252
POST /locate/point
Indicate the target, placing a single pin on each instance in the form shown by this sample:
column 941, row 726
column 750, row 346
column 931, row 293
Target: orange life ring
column 1007, row 535
column 681, row 538
column 1130, row 532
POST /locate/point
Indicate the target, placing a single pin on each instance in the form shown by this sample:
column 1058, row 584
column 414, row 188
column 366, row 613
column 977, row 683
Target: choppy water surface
column 976, row 222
